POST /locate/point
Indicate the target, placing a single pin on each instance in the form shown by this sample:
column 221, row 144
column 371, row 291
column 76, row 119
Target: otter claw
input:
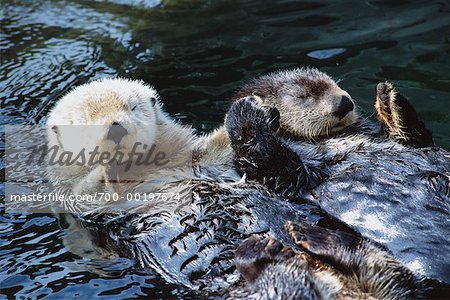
column 385, row 94
column 246, row 119
column 388, row 111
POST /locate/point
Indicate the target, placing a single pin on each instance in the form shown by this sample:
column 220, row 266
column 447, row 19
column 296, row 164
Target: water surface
column 196, row 54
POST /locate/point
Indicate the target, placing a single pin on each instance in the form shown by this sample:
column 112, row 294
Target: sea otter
column 105, row 117
column 327, row 109
column 384, row 180
column 188, row 240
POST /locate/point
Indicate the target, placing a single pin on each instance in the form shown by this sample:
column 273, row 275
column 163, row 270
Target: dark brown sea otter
column 375, row 178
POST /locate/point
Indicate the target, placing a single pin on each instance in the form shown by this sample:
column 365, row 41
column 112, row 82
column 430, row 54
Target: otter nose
column 345, row 106
column 116, row 133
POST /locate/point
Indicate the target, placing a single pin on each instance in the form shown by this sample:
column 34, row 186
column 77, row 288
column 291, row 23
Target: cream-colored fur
column 80, row 122
column 95, row 106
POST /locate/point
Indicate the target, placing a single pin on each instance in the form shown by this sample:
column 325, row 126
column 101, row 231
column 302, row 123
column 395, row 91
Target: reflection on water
column 196, row 53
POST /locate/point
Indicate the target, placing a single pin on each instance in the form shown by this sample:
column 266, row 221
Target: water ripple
column 196, row 53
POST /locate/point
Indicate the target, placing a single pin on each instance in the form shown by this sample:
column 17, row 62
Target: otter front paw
column 321, row 242
column 111, row 172
column 399, row 118
column 93, row 182
column 111, row 177
column 256, row 252
column 247, row 117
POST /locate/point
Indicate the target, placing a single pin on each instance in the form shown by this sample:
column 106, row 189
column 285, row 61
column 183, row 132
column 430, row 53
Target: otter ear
column 153, row 101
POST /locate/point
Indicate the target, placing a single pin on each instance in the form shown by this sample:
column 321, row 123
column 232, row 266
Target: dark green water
column 196, row 54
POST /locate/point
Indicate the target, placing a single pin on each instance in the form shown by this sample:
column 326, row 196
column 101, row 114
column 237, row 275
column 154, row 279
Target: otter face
column 115, row 114
column 311, row 104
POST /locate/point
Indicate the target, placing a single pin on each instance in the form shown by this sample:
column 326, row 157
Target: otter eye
column 133, row 108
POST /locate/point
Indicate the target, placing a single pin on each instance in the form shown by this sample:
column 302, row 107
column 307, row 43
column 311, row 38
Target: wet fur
column 355, row 268
column 192, row 242
column 360, row 177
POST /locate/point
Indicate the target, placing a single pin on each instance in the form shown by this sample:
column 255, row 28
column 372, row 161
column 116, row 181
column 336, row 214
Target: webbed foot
column 256, row 252
column 320, row 242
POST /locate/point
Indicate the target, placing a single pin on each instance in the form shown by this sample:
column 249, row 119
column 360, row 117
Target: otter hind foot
column 320, row 242
column 256, row 252
column 389, row 112
column 399, row 118
column 359, row 269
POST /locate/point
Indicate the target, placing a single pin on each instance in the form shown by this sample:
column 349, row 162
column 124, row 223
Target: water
column 196, row 53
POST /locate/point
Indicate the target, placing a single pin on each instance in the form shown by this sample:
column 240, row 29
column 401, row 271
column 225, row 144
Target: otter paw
column 112, row 172
column 256, row 252
column 111, row 177
column 319, row 241
column 389, row 112
column 246, row 118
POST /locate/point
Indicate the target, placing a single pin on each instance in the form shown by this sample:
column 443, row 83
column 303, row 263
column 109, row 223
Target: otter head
column 311, row 104
column 106, row 116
